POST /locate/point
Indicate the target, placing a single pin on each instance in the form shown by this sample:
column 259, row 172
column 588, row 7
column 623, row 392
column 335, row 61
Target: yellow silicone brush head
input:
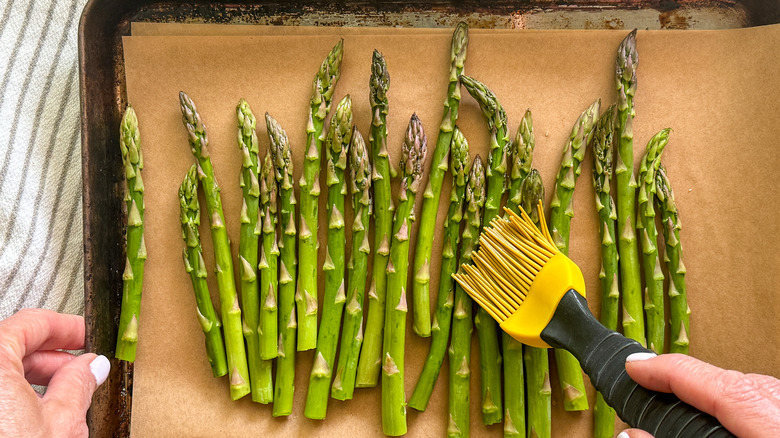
column 519, row 276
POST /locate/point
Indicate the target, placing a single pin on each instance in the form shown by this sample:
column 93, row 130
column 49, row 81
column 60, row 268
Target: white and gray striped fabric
column 41, row 255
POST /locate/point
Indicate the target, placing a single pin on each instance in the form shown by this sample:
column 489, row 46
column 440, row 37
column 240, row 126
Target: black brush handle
column 602, row 354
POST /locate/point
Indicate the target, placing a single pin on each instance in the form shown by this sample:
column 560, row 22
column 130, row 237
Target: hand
column 748, row 405
column 29, row 354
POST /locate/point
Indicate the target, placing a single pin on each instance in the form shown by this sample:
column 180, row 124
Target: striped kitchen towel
column 41, row 255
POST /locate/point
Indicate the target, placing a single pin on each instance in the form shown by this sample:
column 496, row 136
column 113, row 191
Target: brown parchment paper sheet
column 718, row 91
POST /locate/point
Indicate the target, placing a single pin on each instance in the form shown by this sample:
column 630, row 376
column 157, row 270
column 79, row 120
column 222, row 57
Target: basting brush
column 537, row 295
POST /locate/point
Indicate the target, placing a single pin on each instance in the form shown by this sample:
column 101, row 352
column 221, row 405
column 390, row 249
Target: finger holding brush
column 748, row 404
column 537, row 295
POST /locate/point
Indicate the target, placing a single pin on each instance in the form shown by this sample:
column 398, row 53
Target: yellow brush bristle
column 511, row 253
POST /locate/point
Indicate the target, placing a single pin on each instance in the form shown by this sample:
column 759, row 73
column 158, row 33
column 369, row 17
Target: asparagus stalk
column 322, row 93
column 337, row 148
column 678, row 297
column 459, row 157
column 432, row 193
column 268, row 263
column 603, row 153
column 460, row 347
column 487, row 329
column 625, row 80
column 132, row 278
column 285, row 361
column 269, row 271
column 196, row 267
column 371, row 354
column 561, row 213
column 514, row 380
column 352, row 334
column 536, row 360
column 415, row 148
column 514, row 387
column 259, row 370
column 654, row 277
column 228, row 298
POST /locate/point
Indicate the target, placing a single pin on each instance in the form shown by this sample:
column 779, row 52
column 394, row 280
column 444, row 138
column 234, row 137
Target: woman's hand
column 748, row 405
column 30, row 344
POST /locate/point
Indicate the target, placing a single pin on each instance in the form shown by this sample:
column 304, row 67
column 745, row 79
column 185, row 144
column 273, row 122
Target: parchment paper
column 717, row 90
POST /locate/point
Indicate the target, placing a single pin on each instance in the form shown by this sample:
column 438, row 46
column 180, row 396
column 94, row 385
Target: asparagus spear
column 522, row 158
column 487, row 329
column 269, row 271
column 196, row 267
column 430, row 206
column 625, row 75
column 536, row 360
column 603, row 153
column 415, row 148
column 337, row 148
column 285, row 361
column 228, row 298
column 259, row 370
column 132, row 278
column 352, row 334
column 514, row 387
column 459, row 157
column 561, row 213
column 654, row 277
column 322, row 93
column 460, row 347
column 514, row 380
column 371, row 354
column 678, row 297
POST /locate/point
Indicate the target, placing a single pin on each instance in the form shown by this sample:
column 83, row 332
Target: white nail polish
column 100, row 366
column 624, row 434
column 636, row 357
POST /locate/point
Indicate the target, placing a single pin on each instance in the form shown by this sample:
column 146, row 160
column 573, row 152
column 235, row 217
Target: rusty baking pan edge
column 103, row 95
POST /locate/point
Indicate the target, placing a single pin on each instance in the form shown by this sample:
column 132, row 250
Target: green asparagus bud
column 678, row 297
column 322, row 94
column 231, row 312
column 337, row 149
column 413, row 155
column 196, row 268
column 438, row 166
column 536, row 360
column 135, row 248
column 352, row 333
column 460, row 347
column 371, row 353
column 561, row 214
column 288, row 324
column 258, row 349
column 603, row 153
column 651, row 263
column 631, row 287
column 522, row 157
column 459, row 157
column 498, row 162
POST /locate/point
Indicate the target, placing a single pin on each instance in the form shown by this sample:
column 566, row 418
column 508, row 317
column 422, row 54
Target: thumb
column 746, row 404
column 70, row 390
column 634, row 433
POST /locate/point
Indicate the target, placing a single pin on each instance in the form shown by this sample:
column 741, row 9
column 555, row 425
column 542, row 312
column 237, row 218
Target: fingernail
column 100, row 366
column 636, row 357
column 624, row 434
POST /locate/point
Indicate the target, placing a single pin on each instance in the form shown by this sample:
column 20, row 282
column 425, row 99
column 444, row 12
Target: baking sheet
column 207, row 29
column 715, row 89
